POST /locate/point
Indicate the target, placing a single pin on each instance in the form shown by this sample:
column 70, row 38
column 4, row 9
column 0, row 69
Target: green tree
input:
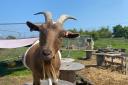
column 73, row 30
column 94, row 35
column 104, row 32
column 125, row 30
column 81, row 31
column 10, row 37
column 118, row 31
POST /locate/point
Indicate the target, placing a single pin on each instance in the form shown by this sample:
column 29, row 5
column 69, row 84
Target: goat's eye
column 44, row 32
column 59, row 35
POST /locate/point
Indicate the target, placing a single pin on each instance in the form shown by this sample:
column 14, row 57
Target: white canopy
column 15, row 43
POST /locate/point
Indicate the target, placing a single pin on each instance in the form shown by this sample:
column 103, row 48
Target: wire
column 17, row 23
column 12, row 31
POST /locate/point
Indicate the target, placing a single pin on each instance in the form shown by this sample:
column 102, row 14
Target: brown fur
column 35, row 63
column 42, row 69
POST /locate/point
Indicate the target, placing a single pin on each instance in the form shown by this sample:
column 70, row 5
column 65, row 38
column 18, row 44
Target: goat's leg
column 36, row 80
column 55, row 80
column 49, row 81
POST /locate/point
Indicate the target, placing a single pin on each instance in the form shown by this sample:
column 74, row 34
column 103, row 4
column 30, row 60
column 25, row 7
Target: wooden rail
column 118, row 59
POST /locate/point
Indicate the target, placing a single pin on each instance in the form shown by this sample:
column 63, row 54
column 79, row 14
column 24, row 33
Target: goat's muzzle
column 47, row 54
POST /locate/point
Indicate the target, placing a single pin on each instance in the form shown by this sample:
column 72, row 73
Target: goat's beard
column 48, row 70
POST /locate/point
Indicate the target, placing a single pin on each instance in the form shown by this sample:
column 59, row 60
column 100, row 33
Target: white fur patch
column 24, row 57
column 49, row 81
column 55, row 81
column 59, row 54
column 54, row 22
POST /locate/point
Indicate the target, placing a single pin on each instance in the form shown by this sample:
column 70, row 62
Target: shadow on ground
column 7, row 67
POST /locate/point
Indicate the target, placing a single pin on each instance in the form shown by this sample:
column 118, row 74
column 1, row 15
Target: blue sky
column 91, row 14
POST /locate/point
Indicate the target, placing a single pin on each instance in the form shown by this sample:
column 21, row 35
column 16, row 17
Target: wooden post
column 67, row 71
column 100, row 60
column 88, row 54
column 68, row 76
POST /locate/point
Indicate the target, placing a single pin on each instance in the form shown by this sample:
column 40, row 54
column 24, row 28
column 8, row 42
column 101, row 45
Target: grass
column 11, row 54
column 114, row 42
column 21, row 73
column 73, row 54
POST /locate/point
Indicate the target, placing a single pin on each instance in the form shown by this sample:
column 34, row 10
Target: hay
column 102, row 76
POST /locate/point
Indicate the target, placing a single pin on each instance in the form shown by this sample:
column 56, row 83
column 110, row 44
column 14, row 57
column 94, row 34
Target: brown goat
column 43, row 57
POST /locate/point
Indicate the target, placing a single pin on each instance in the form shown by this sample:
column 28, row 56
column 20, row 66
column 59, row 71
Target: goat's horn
column 63, row 18
column 48, row 15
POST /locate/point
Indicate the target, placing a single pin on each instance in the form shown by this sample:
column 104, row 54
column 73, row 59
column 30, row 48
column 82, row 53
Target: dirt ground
column 101, row 75
column 20, row 80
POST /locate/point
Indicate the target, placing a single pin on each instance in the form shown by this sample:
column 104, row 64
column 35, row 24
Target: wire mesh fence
column 75, row 43
column 15, row 30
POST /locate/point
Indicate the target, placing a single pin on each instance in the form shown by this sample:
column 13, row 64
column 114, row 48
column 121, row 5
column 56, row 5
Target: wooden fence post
column 100, row 60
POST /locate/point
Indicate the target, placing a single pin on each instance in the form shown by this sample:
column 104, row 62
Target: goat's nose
column 46, row 52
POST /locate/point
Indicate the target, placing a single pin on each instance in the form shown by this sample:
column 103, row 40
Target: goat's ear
column 32, row 26
column 68, row 34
